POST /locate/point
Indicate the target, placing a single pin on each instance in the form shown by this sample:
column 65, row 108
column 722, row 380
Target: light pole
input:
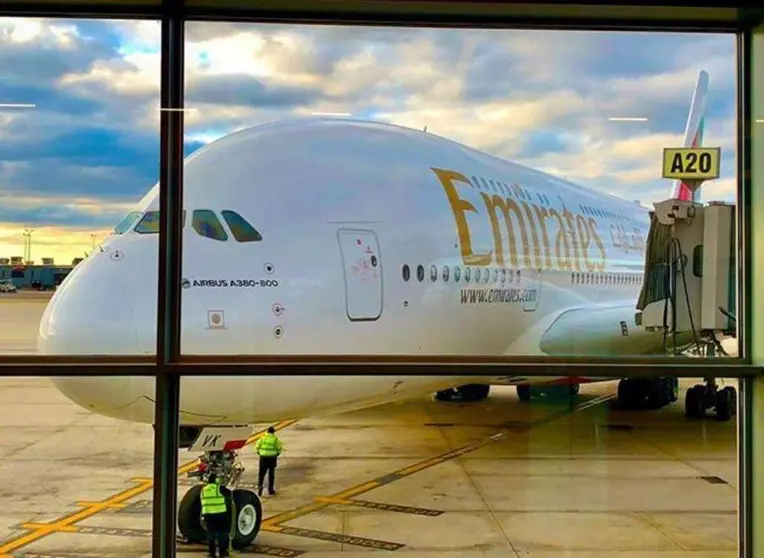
column 28, row 245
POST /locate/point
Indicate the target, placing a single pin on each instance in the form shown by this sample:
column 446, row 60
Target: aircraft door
column 532, row 291
column 362, row 269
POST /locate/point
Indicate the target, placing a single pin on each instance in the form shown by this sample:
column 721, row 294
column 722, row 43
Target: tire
column 247, row 516
column 726, row 404
column 693, row 402
column 574, row 389
column 627, row 394
column 445, row 395
column 524, row 392
column 474, row 392
column 190, row 516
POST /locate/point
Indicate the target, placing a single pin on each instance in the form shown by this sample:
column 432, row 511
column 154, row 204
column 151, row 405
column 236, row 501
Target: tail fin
column 693, row 133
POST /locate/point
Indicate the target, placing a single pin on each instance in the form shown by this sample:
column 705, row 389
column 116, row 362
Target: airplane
column 332, row 236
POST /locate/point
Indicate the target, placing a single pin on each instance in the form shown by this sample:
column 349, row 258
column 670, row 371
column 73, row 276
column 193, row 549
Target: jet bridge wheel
column 699, row 398
column 246, row 510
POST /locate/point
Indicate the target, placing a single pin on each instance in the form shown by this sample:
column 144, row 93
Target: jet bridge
column 689, row 284
column 689, row 290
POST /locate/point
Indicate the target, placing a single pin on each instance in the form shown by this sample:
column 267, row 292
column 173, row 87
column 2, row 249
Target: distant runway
column 494, row 479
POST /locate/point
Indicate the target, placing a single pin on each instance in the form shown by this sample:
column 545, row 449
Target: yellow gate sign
column 691, row 163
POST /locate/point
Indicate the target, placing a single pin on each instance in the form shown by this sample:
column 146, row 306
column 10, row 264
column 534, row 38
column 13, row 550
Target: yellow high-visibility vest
column 269, row 446
column 213, row 500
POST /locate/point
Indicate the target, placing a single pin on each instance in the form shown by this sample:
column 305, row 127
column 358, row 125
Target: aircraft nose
column 128, row 398
column 100, row 309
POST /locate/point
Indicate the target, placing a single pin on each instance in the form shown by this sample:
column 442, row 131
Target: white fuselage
column 375, row 239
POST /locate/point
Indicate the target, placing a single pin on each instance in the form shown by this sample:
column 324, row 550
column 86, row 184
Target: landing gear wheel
column 190, row 516
column 445, row 395
column 248, row 515
column 574, row 389
column 474, row 392
column 693, row 402
column 524, row 392
column 630, row 395
column 726, row 403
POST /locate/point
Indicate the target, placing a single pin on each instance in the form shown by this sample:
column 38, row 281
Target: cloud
column 89, row 149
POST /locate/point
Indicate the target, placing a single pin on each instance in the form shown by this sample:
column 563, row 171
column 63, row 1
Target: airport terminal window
column 127, row 221
column 241, row 229
column 206, row 223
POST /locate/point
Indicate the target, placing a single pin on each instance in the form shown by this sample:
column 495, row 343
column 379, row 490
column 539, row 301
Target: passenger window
column 433, row 273
column 457, row 273
column 445, row 273
column 206, row 223
column 406, row 272
column 467, row 273
column 242, row 231
column 127, row 221
column 420, row 273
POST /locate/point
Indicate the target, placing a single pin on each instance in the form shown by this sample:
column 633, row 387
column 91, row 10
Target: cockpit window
column 206, row 223
column 149, row 224
column 242, row 231
column 126, row 222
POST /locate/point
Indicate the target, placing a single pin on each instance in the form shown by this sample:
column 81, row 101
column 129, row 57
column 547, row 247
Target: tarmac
column 499, row 478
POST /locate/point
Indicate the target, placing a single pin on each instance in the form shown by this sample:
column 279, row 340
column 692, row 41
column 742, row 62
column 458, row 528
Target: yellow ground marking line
column 64, row 524
column 320, row 503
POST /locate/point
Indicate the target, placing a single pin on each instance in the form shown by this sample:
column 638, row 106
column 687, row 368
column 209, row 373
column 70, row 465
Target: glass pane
column 526, row 162
column 82, row 480
column 428, row 468
column 80, row 148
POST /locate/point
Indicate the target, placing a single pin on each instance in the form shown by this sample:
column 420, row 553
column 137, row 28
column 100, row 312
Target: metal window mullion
column 169, row 272
column 745, row 385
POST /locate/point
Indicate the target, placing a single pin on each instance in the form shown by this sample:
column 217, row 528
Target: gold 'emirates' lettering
column 574, row 243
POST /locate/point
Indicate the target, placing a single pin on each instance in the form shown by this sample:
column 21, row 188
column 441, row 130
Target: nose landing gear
column 244, row 506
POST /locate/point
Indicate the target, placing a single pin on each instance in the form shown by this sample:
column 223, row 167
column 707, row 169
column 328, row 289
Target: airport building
column 45, row 276
column 464, row 355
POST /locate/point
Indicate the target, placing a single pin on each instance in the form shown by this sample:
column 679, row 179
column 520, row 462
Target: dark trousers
column 267, row 465
column 217, row 531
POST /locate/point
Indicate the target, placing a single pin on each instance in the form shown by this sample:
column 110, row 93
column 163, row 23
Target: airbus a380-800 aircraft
column 337, row 236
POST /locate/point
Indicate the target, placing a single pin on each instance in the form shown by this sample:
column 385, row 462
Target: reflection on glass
column 61, row 454
column 80, row 146
column 365, row 150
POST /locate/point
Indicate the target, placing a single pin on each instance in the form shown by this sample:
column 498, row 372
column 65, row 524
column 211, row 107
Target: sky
column 73, row 164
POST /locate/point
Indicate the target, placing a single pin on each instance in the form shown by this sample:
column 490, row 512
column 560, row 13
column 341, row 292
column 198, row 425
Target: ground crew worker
column 216, row 516
column 269, row 447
